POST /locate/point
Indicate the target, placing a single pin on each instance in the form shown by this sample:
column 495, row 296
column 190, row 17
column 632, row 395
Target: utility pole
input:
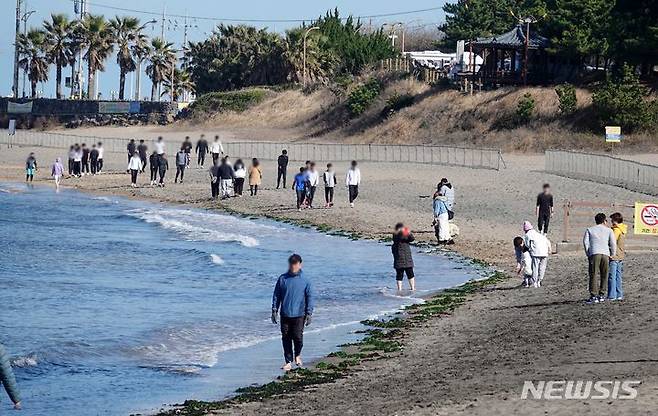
column 16, row 53
column 26, row 15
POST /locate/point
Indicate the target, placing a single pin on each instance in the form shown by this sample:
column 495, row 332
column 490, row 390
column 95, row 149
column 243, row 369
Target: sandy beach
column 476, row 360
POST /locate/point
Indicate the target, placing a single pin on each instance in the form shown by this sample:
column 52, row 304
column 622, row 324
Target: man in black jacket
column 131, row 148
column 282, row 163
column 142, row 149
column 201, row 150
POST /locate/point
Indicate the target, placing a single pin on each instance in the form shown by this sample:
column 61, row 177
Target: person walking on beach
column 293, row 300
column 600, row 244
column 329, row 178
column 93, row 159
column 314, row 180
column 539, row 248
column 544, row 208
column 299, row 186
column 352, row 180
column 523, row 261
column 57, row 171
column 134, row 166
column 201, row 149
column 226, row 177
column 30, row 167
column 441, row 221
column 214, row 179
column 240, row 175
column 131, row 148
column 101, row 153
column 77, row 161
column 71, row 154
column 181, row 163
column 403, row 262
column 282, row 169
column 255, row 176
column 163, row 166
column 143, row 149
column 216, row 149
column 616, row 272
column 85, row 159
column 8, row 380
column 160, row 146
column 153, row 164
column 187, row 148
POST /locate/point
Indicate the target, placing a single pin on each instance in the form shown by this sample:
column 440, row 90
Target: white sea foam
column 29, row 360
column 216, row 259
column 199, row 226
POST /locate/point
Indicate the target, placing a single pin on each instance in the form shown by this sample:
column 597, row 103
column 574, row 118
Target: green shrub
column 238, row 101
column 567, row 100
column 525, row 108
column 362, row 96
column 397, row 102
column 622, row 101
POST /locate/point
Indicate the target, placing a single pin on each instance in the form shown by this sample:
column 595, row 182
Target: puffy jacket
column 537, row 243
column 401, row 250
column 620, row 231
column 7, row 378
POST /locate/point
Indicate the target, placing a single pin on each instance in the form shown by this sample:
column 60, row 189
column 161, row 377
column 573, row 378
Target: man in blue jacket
column 293, row 296
column 7, row 379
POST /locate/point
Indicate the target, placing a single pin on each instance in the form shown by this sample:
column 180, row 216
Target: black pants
column 542, row 222
column 154, row 173
column 85, row 165
column 399, row 273
column 214, row 188
column 329, row 194
column 144, row 162
column 201, row 158
column 70, row 166
column 133, row 175
column 180, row 169
column 281, row 174
column 100, row 165
column 215, row 157
column 354, row 192
column 238, row 186
column 292, row 334
column 163, row 172
column 77, row 168
column 253, row 189
column 311, row 195
column 301, row 194
column 94, row 166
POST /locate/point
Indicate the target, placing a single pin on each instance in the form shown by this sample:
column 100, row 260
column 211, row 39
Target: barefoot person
column 57, row 171
column 30, row 167
column 293, row 298
column 403, row 262
column 8, row 380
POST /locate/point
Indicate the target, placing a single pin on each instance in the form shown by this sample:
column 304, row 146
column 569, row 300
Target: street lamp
column 393, row 36
column 24, row 17
column 305, row 36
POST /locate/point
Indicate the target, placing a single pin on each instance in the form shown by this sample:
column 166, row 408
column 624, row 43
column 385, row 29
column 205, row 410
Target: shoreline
column 475, row 361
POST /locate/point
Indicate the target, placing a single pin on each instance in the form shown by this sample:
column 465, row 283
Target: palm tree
column 182, row 82
column 161, row 61
column 127, row 32
column 141, row 50
column 59, row 52
column 98, row 41
column 32, row 48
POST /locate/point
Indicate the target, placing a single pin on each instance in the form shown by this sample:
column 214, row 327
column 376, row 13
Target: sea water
column 110, row 306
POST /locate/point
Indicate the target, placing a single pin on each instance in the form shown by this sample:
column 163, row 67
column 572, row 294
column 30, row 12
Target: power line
column 244, row 20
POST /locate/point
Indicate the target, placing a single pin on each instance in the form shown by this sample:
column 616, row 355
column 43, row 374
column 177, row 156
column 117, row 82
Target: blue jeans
column 615, row 278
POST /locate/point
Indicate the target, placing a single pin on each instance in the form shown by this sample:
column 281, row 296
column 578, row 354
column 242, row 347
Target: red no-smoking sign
column 649, row 215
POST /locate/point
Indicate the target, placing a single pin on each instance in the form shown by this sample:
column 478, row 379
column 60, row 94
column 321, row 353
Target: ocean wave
column 216, row 259
column 30, row 360
column 195, row 227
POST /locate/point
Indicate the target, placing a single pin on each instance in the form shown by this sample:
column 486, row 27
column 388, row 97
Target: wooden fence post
column 565, row 222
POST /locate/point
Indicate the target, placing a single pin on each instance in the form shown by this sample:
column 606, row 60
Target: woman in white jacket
column 352, row 180
column 134, row 166
column 539, row 248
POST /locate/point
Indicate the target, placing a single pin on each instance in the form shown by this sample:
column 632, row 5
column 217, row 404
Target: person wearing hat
column 539, row 248
column 293, row 299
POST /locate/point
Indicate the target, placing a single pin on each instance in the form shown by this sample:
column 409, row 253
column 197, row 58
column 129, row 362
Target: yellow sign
column 613, row 134
column 646, row 219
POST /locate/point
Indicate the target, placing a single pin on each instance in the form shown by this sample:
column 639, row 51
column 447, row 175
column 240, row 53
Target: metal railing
column 480, row 158
column 606, row 169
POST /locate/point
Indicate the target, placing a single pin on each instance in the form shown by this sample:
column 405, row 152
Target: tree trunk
column 122, row 83
column 91, row 86
column 154, row 87
column 58, row 80
column 73, row 75
column 138, row 80
column 33, row 85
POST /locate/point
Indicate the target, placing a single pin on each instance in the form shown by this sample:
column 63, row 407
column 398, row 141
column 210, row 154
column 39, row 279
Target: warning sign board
column 613, row 134
column 646, row 218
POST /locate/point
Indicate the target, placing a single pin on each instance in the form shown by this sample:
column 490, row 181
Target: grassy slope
column 437, row 116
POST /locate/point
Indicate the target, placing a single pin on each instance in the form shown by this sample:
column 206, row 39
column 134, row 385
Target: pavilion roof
column 514, row 39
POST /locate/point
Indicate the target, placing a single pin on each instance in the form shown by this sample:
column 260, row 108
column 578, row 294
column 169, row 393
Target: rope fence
column 479, row 158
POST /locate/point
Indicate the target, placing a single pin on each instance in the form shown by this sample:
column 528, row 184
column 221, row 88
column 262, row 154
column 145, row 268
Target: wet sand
column 475, row 361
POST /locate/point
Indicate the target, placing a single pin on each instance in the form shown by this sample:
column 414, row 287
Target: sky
column 198, row 28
